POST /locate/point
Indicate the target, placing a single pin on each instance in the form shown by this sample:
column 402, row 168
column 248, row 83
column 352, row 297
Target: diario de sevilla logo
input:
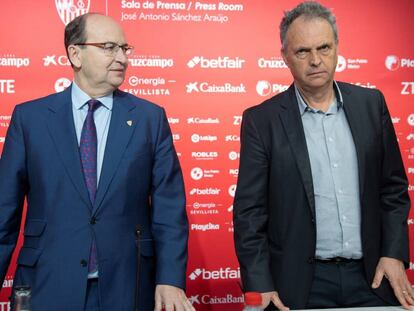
column 70, row 9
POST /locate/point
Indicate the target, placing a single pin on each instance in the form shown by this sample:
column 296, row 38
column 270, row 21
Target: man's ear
column 74, row 55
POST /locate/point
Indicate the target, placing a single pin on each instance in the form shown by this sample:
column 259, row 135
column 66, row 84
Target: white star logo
column 192, row 87
column 48, row 60
column 194, row 299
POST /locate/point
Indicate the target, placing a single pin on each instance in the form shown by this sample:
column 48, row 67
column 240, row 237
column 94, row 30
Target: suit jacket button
column 92, row 221
column 83, row 263
column 311, row 260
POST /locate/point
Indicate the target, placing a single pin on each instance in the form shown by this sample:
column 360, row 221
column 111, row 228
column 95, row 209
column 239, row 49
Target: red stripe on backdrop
column 205, row 64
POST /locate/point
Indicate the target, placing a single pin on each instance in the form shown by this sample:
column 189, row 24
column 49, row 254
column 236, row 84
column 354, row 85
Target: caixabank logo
column 212, row 88
column 70, row 9
column 214, row 300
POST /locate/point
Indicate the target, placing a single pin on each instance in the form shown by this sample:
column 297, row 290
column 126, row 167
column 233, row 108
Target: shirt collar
column 79, row 98
column 303, row 106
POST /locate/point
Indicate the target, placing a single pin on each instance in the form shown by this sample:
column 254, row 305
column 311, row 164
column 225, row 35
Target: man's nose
column 315, row 59
column 121, row 57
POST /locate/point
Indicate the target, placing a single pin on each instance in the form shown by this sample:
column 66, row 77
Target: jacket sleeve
column 169, row 218
column 250, row 215
column 395, row 201
column 13, row 187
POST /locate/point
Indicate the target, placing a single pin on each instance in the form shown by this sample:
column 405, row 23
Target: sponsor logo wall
column 205, row 62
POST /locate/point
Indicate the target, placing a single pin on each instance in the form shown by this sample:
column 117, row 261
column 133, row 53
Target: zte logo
column 237, row 120
column 407, row 88
column 7, row 86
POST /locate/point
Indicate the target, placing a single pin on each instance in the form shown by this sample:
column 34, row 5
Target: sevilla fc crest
column 69, row 9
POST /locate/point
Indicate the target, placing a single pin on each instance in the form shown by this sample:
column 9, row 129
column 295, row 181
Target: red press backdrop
column 205, row 62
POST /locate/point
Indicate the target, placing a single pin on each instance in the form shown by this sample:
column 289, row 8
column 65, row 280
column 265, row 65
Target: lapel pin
column 129, row 122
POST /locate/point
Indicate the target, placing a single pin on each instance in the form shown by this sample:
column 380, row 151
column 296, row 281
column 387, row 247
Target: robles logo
column 68, row 10
column 204, row 155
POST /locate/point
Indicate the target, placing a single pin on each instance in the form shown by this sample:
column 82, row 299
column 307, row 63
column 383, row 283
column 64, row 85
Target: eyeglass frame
column 126, row 48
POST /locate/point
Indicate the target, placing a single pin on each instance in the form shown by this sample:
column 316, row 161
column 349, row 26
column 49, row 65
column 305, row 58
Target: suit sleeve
column 250, row 216
column 169, row 219
column 13, row 187
column 394, row 194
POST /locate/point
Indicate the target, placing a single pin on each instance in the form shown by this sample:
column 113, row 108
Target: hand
column 393, row 270
column 171, row 298
column 273, row 297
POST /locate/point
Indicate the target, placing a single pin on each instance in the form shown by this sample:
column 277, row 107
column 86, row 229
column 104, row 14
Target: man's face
column 311, row 53
column 99, row 71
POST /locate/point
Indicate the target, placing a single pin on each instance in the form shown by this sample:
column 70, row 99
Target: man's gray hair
column 310, row 10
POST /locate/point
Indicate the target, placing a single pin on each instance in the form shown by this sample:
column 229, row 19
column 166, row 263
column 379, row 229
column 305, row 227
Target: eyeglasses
column 111, row 48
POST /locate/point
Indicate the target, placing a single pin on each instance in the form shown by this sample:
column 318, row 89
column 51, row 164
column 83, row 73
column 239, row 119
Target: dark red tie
column 88, row 152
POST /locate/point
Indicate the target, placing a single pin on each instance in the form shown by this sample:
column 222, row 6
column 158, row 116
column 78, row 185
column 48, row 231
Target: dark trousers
column 92, row 296
column 341, row 285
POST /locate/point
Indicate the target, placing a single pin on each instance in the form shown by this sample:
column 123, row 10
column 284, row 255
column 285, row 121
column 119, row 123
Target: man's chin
column 116, row 82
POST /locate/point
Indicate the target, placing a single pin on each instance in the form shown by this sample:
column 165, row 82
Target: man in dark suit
column 106, row 227
column 320, row 212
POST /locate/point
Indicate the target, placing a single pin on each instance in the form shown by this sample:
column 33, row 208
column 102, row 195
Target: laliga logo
column 392, row 62
column 68, row 10
column 61, row 84
column 341, row 66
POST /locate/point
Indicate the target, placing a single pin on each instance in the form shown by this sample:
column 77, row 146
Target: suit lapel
column 121, row 127
column 292, row 124
column 62, row 129
column 356, row 124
